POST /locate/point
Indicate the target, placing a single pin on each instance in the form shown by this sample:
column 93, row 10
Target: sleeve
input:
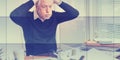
column 69, row 14
column 20, row 14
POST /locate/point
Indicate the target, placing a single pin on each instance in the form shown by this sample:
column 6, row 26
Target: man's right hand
column 34, row 1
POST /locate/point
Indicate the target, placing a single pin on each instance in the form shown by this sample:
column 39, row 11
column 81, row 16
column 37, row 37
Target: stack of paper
column 94, row 54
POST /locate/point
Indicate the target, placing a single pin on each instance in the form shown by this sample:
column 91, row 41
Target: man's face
column 44, row 9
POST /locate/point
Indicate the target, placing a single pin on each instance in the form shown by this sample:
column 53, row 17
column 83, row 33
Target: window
column 105, row 25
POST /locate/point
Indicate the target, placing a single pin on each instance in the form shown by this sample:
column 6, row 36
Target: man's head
column 44, row 8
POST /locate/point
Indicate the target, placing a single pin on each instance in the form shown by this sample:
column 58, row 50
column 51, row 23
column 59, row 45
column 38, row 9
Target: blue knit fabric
column 40, row 37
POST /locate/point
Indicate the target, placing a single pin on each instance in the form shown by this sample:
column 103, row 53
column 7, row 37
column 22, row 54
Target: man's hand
column 34, row 1
column 58, row 2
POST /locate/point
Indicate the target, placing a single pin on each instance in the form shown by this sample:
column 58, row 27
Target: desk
column 97, row 51
column 39, row 58
column 72, row 51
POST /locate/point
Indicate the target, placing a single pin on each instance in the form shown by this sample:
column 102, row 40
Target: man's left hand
column 58, row 2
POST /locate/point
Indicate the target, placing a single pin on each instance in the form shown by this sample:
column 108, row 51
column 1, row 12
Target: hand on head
column 35, row 1
column 55, row 1
column 58, row 2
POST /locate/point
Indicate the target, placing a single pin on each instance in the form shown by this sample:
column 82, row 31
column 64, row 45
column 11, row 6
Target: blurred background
column 99, row 20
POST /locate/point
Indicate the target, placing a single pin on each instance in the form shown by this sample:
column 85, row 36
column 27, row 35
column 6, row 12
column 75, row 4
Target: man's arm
column 21, row 12
column 69, row 14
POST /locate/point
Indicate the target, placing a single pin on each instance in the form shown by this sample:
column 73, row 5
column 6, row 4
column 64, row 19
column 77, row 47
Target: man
column 40, row 27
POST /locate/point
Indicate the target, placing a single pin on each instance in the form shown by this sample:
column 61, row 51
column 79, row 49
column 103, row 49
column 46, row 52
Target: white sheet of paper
column 95, row 54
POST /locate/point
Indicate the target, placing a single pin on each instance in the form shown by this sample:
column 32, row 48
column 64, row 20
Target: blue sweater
column 40, row 37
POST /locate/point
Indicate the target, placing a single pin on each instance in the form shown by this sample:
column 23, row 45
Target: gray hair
column 37, row 2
